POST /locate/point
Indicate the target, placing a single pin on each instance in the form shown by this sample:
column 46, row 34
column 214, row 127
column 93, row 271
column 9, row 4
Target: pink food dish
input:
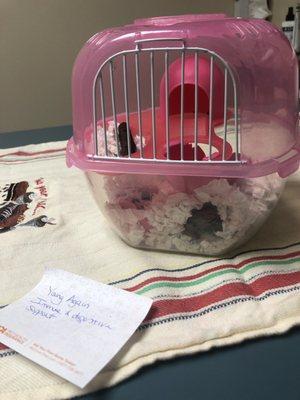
column 186, row 128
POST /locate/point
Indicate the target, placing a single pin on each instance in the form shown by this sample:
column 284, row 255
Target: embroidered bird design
column 14, row 190
column 39, row 222
column 16, row 203
column 11, row 215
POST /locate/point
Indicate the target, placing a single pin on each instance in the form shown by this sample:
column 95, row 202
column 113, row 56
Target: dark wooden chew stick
column 122, row 136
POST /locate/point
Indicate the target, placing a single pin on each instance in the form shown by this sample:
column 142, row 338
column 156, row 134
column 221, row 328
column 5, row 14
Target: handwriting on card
column 72, row 325
column 54, row 305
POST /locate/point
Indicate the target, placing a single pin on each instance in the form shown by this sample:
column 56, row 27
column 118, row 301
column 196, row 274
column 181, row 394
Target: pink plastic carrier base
column 195, row 95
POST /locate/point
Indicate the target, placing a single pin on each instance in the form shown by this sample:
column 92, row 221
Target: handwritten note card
column 72, row 325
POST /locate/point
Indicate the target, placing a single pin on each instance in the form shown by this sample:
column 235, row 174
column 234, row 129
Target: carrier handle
column 138, row 42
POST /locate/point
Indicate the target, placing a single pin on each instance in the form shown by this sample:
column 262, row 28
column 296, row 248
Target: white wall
column 39, row 40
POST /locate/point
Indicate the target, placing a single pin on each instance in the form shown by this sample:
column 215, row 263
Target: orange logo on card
column 2, row 329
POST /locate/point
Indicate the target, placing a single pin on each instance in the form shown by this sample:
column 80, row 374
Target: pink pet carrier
column 186, row 127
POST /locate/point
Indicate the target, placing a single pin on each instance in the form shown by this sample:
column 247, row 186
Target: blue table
column 261, row 369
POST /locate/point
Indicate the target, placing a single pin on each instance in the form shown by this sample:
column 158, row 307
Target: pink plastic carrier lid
column 176, row 19
column 238, row 116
